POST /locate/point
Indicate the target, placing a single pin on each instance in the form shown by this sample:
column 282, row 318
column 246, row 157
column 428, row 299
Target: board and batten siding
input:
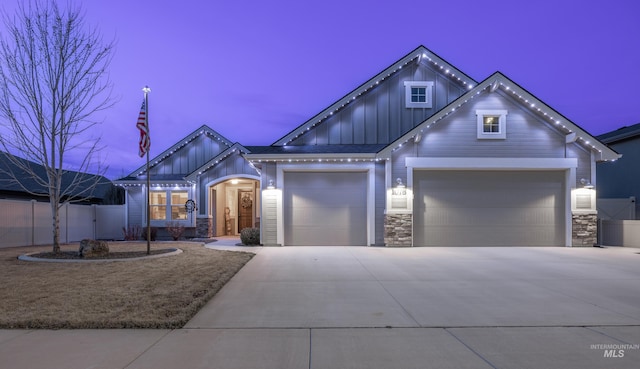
column 135, row 206
column 190, row 157
column 380, row 116
column 234, row 165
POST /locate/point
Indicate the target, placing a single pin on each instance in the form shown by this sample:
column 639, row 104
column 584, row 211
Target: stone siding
column 204, row 227
column 398, row 230
column 585, row 229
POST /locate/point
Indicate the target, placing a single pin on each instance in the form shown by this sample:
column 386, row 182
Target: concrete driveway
column 360, row 307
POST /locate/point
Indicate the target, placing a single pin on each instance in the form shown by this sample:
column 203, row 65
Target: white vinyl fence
column 619, row 233
column 25, row 223
column 617, row 224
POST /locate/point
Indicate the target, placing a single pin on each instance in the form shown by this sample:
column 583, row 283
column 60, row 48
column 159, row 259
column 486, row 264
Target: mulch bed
column 73, row 255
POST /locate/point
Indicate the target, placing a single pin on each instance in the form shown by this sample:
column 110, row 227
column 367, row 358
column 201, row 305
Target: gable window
column 492, row 124
column 168, row 205
column 418, row 94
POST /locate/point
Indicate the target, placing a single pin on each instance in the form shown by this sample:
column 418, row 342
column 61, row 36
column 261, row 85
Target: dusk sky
column 255, row 70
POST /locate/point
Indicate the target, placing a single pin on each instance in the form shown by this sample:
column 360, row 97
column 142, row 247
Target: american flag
column 143, row 126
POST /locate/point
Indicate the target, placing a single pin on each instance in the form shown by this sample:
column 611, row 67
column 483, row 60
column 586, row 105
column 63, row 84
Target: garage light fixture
column 586, row 183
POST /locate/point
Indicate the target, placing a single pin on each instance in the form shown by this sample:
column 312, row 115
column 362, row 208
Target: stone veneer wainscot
column 398, row 230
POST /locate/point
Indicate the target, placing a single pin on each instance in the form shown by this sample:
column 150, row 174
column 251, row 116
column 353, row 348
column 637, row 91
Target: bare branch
column 53, row 78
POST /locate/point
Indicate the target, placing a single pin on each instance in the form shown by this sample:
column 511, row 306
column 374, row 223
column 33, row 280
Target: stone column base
column 398, row 230
column 204, row 227
column 584, row 229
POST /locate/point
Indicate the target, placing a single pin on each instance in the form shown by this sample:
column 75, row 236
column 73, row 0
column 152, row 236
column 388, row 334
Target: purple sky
column 255, row 70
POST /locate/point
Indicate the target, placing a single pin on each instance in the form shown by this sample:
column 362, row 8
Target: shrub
column 175, row 230
column 154, row 233
column 131, row 233
column 250, row 236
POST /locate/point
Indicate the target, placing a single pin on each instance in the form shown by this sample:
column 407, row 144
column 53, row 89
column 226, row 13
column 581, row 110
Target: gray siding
column 135, row 205
column 621, row 178
column 269, row 218
column 190, row 157
column 584, row 162
column 456, row 135
column 233, row 165
column 398, row 165
column 380, row 116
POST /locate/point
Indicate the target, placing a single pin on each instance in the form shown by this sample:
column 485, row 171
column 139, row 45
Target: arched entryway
column 234, row 204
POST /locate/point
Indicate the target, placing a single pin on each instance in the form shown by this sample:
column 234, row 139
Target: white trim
column 486, row 163
column 428, row 85
column 322, row 167
column 502, row 124
column 570, row 179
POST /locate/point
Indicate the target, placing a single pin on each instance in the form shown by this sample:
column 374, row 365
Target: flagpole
column 146, row 91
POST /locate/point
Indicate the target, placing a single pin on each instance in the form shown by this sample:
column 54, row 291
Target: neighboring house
column 621, row 179
column 104, row 193
column 419, row 155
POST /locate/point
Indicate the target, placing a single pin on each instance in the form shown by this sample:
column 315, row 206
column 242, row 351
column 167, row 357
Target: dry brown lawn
column 155, row 293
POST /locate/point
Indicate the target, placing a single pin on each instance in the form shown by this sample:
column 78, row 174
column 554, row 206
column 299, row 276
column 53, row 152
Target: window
column 178, row 201
column 418, row 94
column 158, row 202
column 174, row 209
column 492, row 124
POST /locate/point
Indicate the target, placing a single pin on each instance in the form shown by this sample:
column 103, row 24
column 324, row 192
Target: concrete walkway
column 359, row 307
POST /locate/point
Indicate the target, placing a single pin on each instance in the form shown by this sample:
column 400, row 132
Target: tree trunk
column 56, row 227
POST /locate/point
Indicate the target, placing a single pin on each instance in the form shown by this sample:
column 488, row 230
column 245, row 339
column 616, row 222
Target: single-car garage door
column 325, row 208
column 489, row 208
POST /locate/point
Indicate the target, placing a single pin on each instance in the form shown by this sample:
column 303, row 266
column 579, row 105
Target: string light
column 204, row 130
column 548, row 115
column 422, row 54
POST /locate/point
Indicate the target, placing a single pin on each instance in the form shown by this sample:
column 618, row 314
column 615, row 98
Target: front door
column 245, row 210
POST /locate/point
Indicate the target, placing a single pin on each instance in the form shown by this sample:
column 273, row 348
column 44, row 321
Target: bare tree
column 53, row 78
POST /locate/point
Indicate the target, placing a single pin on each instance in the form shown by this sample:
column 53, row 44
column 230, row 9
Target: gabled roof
column 420, row 54
column 497, row 81
column 620, row 134
column 204, row 129
column 302, row 152
column 236, row 147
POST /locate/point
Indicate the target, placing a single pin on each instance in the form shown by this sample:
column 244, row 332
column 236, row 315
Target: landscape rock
column 92, row 248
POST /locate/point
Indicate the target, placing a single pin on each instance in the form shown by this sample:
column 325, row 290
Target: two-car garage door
column 325, row 208
column 489, row 208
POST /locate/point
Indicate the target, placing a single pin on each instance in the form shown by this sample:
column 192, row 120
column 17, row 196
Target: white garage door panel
column 325, row 208
column 489, row 208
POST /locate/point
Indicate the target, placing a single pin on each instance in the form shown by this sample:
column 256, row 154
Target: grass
column 155, row 293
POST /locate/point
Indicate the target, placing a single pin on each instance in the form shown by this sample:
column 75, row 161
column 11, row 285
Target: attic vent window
column 492, row 124
column 418, row 94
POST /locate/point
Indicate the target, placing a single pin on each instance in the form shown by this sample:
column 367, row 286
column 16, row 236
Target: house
column 621, row 179
column 205, row 169
column 85, row 188
column 419, row 155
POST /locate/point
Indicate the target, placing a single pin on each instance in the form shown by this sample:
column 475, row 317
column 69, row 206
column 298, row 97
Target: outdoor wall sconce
column 399, row 183
column 271, row 186
column 586, row 183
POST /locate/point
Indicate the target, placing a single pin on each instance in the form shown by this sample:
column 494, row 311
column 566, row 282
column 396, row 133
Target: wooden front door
column 245, row 210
